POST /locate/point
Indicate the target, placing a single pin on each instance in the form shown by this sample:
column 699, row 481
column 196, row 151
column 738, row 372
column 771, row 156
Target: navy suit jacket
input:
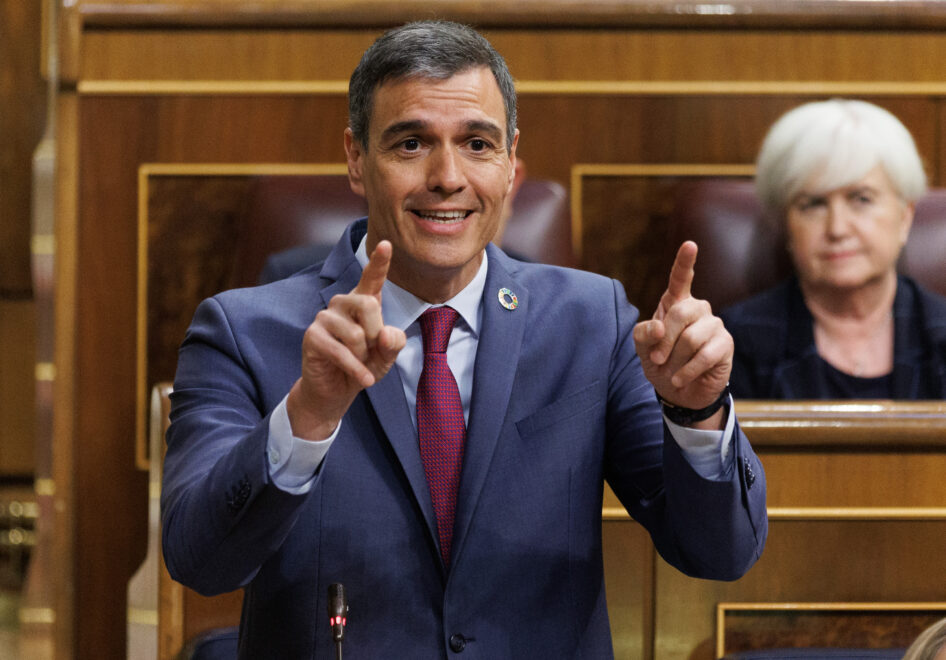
column 776, row 356
column 559, row 405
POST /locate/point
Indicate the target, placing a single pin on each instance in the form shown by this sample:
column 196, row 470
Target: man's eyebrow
column 406, row 126
column 488, row 128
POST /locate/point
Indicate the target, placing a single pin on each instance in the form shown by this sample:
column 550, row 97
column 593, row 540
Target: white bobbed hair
column 835, row 143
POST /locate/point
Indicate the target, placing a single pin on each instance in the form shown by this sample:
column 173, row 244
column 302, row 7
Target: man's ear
column 355, row 155
column 517, row 173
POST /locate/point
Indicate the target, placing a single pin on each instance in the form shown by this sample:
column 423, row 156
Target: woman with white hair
column 842, row 177
column 930, row 645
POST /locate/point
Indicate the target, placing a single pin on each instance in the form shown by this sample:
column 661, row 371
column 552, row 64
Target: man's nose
column 445, row 171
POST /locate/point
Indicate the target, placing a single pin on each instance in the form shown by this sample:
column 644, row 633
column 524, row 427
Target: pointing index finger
column 681, row 275
column 376, row 271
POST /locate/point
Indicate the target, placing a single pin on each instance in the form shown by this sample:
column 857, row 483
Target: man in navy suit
column 293, row 457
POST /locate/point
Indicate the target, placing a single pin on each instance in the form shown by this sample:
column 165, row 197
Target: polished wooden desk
column 857, row 514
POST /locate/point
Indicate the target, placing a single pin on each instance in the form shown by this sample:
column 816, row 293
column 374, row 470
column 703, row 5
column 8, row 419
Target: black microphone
column 338, row 614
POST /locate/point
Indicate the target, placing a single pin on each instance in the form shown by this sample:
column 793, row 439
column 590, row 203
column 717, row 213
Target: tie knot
column 436, row 324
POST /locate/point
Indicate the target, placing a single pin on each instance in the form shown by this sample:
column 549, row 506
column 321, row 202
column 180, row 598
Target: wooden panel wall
column 22, row 115
column 206, row 83
column 835, row 560
column 848, row 529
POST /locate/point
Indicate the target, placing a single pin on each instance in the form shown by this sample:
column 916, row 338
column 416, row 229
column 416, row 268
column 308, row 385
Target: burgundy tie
column 440, row 425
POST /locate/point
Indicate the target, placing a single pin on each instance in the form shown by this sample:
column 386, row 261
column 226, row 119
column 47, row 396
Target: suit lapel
column 387, row 400
column 386, row 396
column 497, row 359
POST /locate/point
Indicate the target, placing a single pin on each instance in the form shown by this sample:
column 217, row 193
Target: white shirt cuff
column 706, row 451
column 293, row 461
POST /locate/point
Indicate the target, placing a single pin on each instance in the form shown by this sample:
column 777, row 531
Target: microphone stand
column 338, row 615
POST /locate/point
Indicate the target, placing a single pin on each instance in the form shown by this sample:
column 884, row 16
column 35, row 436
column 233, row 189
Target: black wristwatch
column 686, row 416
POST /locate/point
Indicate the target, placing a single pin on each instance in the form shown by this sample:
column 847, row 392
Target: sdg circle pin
column 508, row 299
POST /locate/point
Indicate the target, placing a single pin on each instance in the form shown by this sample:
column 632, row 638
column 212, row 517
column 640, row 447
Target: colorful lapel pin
column 508, row 299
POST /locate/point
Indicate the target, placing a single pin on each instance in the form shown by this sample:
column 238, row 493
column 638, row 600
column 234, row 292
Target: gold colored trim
column 727, row 87
column 240, row 169
column 639, row 170
column 64, row 539
column 45, row 372
column 662, row 169
column 615, row 513
column 43, row 244
column 44, row 487
column 813, row 513
column 141, row 359
column 723, row 608
column 143, row 617
column 880, row 606
column 529, row 87
column 213, row 87
column 37, row 615
column 870, row 513
column 145, row 172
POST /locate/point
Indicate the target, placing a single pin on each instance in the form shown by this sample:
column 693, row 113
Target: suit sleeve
column 221, row 515
column 712, row 529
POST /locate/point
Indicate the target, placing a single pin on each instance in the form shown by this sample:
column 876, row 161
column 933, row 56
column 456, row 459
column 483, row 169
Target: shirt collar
column 401, row 308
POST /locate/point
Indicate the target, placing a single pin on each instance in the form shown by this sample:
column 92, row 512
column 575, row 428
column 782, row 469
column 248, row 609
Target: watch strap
column 685, row 416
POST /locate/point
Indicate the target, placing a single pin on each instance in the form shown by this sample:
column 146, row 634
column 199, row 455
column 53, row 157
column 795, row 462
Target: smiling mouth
column 442, row 217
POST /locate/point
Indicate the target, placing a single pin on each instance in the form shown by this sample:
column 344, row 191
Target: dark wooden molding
column 829, row 14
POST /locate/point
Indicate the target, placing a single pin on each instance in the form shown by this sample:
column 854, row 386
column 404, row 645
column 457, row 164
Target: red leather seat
column 285, row 211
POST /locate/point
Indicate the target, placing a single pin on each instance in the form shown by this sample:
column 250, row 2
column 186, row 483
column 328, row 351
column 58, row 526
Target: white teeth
column 442, row 216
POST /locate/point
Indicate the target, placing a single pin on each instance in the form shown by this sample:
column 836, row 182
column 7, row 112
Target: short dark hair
column 425, row 49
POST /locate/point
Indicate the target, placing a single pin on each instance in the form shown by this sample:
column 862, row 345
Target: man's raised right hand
column 346, row 349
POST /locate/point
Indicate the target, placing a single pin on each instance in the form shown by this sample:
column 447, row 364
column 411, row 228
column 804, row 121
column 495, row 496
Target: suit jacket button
column 457, row 643
column 238, row 495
